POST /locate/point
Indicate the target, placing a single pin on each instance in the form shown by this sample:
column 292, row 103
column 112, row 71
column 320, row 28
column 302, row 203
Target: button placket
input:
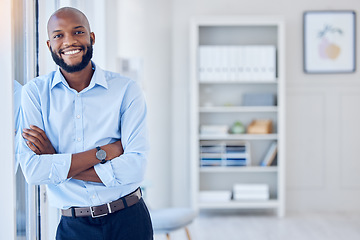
column 79, row 132
column 93, row 195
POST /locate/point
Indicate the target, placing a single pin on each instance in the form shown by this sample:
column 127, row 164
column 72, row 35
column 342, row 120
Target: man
column 73, row 121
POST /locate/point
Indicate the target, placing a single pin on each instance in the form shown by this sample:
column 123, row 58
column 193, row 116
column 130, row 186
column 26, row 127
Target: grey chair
column 170, row 219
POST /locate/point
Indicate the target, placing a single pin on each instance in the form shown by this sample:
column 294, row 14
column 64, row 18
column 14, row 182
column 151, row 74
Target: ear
column 48, row 44
column 92, row 37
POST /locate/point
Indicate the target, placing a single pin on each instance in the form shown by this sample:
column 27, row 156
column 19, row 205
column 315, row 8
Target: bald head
column 68, row 13
column 70, row 40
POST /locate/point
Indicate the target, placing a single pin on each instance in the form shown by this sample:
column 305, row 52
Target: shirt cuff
column 105, row 173
column 60, row 168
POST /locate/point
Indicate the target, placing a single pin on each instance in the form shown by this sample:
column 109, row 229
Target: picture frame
column 329, row 41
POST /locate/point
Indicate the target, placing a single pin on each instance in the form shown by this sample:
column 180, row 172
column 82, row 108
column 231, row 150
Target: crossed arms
column 72, row 137
column 82, row 164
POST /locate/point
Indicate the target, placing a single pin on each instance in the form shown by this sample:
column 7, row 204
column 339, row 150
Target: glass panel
column 27, row 226
column 20, row 206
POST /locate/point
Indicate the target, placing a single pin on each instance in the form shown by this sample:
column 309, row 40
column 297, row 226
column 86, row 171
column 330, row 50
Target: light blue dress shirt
column 112, row 107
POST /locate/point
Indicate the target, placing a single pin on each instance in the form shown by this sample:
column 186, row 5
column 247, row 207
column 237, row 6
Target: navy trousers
column 131, row 223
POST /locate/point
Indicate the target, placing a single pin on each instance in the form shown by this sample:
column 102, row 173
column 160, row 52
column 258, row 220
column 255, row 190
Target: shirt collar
column 97, row 78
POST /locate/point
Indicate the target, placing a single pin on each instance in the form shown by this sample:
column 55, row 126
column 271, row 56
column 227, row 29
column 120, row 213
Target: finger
column 40, row 131
column 33, row 140
column 33, row 148
column 35, row 134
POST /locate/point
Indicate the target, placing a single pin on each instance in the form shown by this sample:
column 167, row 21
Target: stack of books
column 215, row 196
column 236, row 155
column 213, row 153
column 243, row 192
column 214, row 129
column 237, row 63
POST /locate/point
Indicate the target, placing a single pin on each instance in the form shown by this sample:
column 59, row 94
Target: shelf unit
column 226, row 107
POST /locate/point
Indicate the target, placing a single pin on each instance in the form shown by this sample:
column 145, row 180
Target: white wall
column 144, row 31
column 322, row 117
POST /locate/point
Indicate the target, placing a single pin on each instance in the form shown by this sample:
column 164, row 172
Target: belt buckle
column 101, row 215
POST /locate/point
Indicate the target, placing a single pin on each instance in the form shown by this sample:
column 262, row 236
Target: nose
column 68, row 40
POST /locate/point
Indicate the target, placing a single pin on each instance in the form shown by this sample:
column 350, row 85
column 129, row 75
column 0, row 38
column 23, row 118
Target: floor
column 295, row 226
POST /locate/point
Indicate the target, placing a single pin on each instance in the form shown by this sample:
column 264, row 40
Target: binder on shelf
column 202, row 63
column 270, row 155
column 237, row 63
column 269, row 64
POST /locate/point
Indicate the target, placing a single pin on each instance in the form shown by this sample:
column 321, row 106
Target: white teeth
column 71, row 52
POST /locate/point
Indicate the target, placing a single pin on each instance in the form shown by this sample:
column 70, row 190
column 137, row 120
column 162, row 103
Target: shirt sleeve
column 130, row 167
column 38, row 169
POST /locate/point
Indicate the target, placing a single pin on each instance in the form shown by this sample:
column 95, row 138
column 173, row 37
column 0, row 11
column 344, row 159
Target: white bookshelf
column 219, row 102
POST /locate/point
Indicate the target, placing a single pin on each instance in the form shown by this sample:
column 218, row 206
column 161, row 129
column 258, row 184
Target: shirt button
column 79, row 139
column 78, row 95
column 78, row 116
column 93, row 196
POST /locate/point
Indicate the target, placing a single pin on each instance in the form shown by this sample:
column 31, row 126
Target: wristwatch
column 101, row 155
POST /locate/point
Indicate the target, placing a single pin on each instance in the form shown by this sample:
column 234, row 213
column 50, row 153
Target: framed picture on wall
column 329, row 41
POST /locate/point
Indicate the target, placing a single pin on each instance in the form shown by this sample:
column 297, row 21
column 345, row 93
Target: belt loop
column 124, row 202
column 73, row 212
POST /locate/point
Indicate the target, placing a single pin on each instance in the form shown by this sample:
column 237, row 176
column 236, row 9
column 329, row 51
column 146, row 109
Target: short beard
column 75, row 68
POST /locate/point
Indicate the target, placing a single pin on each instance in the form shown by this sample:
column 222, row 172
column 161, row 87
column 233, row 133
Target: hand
column 113, row 150
column 37, row 141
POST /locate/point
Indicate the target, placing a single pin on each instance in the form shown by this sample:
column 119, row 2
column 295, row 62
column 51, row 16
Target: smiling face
column 70, row 40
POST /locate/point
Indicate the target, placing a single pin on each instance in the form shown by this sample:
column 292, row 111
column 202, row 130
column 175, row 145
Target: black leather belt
column 105, row 209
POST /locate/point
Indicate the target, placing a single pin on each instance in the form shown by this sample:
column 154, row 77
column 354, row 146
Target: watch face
column 101, row 154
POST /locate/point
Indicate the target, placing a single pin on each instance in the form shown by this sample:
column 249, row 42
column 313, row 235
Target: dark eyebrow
column 55, row 31
column 79, row 27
